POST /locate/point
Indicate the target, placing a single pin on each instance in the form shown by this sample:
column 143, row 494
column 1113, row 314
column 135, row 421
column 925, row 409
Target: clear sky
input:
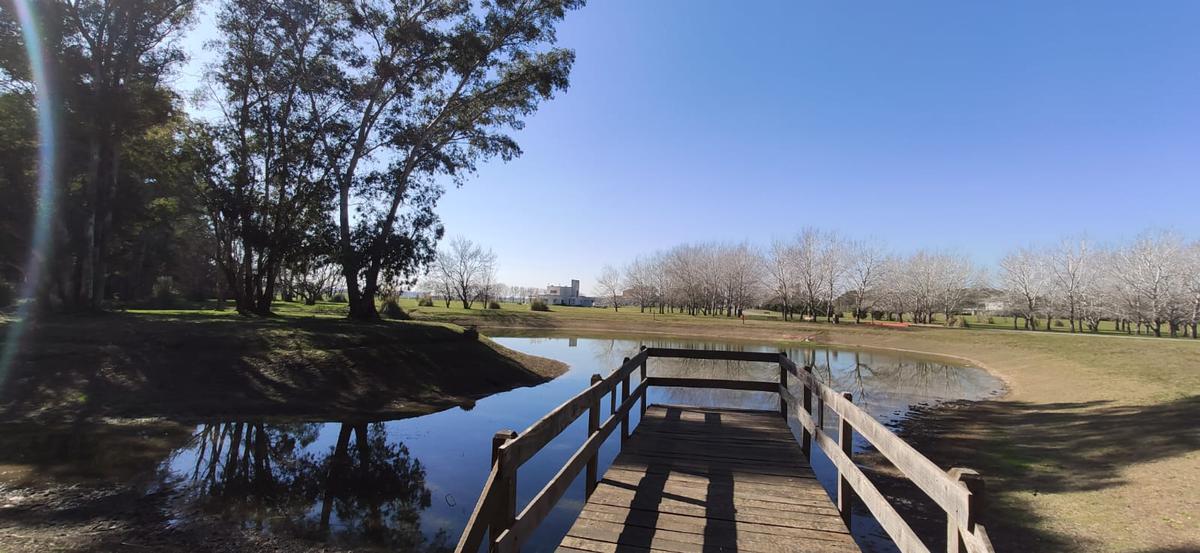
column 974, row 126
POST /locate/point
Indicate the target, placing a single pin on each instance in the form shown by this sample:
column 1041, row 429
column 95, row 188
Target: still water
column 411, row 484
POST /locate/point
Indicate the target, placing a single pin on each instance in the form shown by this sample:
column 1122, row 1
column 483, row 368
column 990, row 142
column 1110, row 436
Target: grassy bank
column 203, row 364
column 1094, row 448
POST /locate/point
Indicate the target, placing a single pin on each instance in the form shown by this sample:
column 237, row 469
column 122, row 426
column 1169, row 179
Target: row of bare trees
column 813, row 274
column 1147, row 285
column 1150, row 284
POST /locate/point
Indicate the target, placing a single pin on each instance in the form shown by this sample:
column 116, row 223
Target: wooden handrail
column 957, row 492
column 753, row 356
column 534, row 438
column 956, row 499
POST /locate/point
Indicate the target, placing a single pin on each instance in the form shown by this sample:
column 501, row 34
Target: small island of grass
column 198, row 363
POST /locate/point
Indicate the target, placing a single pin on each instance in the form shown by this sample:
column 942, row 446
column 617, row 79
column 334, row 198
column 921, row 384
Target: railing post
column 624, row 398
column 845, row 495
column 506, row 490
column 783, row 383
column 593, row 427
column 646, row 391
column 973, row 482
column 612, row 401
column 806, row 399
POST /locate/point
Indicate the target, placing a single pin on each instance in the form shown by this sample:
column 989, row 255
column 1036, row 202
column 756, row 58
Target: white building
column 566, row 295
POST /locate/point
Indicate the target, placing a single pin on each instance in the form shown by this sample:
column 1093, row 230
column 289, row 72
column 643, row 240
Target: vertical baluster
column 645, row 391
column 974, row 484
column 593, row 427
column 624, row 397
column 506, row 490
column 845, row 494
column 806, row 399
column 783, row 384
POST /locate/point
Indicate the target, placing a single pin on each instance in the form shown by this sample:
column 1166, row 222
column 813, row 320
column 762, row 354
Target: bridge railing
column 958, row 491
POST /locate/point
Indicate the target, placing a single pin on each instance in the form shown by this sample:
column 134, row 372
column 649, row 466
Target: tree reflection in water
column 363, row 490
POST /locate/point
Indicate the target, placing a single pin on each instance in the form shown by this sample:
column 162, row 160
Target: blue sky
column 973, row 126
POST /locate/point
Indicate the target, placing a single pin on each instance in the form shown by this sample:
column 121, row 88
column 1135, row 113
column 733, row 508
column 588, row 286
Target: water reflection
column 364, row 490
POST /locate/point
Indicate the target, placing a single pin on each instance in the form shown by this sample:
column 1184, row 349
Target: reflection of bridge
column 697, row 479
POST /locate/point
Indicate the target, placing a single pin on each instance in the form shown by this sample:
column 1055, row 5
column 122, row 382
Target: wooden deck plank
column 702, row 480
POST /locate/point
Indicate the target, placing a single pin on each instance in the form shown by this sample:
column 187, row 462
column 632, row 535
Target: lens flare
column 41, row 242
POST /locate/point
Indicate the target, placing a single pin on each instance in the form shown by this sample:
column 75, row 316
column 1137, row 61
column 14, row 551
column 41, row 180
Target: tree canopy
column 327, row 134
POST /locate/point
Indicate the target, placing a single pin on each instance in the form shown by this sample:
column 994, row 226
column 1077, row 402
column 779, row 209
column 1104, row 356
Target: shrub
column 1059, row 323
column 493, row 305
column 7, row 294
column 425, row 301
column 163, row 294
column 991, row 320
column 392, row 310
column 338, row 298
column 538, row 305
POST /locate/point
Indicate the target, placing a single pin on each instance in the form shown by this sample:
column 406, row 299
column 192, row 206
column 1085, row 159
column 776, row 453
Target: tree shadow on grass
column 1046, row 448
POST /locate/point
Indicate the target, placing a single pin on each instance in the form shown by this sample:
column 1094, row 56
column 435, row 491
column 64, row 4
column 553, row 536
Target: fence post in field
column 973, row 482
column 845, row 494
column 593, row 427
column 506, row 489
column 783, row 384
column 643, row 375
column 624, row 398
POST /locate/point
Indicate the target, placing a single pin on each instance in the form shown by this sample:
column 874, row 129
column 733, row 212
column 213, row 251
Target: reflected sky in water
column 410, row 484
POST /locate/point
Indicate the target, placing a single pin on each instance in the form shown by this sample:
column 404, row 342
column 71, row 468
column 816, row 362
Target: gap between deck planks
column 700, row 480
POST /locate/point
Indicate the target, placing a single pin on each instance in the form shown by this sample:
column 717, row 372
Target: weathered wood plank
column 784, row 493
column 724, row 503
column 698, row 480
column 713, row 383
column 660, row 537
column 684, row 523
column 544, row 501
column 753, row 356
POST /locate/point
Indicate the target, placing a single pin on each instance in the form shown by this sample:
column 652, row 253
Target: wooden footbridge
column 691, row 479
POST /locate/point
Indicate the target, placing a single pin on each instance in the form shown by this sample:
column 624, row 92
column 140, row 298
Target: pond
column 411, row 484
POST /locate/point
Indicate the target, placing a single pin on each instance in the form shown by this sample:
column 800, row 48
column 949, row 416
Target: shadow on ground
column 1046, row 448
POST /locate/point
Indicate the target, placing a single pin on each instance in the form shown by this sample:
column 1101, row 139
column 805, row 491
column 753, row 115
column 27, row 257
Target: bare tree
column 1026, row 278
column 639, row 278
column 611, row 285
column 463, row 267
column 781, row 269
column 867, row 260
column 1147, row 269
column 1072, row 264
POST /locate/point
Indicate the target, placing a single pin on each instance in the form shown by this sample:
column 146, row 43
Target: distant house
column 986, row 301
column 566, row 295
